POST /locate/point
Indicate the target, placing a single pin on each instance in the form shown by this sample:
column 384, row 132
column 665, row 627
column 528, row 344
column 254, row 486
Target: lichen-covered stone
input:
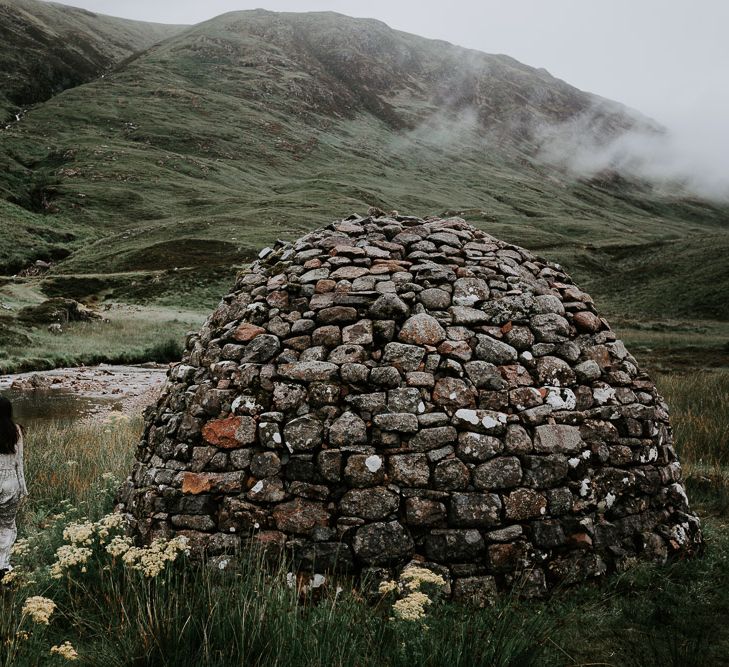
column 390, row 388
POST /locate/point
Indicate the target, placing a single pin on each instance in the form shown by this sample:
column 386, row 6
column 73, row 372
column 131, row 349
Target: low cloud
column 684, row 157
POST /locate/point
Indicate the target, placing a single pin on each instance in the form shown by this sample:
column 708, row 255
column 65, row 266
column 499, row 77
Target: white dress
column 12, row 490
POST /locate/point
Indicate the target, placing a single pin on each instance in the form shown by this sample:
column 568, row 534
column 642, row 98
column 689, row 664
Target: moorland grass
column 127, row 335
column 247, row 613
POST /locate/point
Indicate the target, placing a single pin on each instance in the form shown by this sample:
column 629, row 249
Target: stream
column 70, row 394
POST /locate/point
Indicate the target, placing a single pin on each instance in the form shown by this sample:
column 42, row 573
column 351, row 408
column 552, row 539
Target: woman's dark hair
column 8, row 429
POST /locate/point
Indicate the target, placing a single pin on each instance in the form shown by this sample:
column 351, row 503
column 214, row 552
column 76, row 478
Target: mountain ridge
column 257, row 124
column 49, row 47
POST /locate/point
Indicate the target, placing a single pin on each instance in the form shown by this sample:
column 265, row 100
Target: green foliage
column 249, row 613
column 127, row 335
column 699, row 404
column 213, row 144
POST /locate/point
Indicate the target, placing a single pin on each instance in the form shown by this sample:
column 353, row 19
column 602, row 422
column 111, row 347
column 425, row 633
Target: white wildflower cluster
column 39, row 609
column 68, row 556
column 10, row 576
column 413, row 578
column 152, row 560
column 81, row 538
column 79, row 533
column 107, row 524
column 413, row 601
column 411, row 607
column 20, row 548
column 65, row 650
column 119, row 545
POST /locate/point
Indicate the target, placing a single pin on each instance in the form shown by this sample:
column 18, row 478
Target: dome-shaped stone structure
column 390, row 388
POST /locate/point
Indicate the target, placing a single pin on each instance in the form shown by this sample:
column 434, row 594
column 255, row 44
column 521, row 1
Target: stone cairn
column 391, row 389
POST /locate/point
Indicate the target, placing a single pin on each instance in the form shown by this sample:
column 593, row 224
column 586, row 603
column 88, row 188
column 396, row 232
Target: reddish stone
column 516, row 376
column 386, row 266
column 271, row 542
column 279, row 299
column 453, row 393
column 458, row 349
column 194, row 483
column 349, row 273
column 587, row 321
column 580, row 541
column 312, row 264
column 325, row 285
column 337, row 314
column 525, row 504
column 247, row 332
column 221, row 432
column 300, row 516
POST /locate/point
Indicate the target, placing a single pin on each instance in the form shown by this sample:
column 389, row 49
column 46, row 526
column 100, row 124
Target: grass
column 191, row 614
column 213, row 144
column 127, row 334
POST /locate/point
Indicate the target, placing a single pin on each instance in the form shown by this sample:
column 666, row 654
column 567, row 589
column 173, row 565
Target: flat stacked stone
column 391, row 388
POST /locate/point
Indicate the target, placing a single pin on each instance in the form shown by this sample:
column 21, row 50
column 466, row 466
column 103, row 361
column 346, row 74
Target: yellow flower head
column 65, row 650
column 411, row 607
column 79, row 533
column 39, row 609
column 67, row 556
column 414, row 577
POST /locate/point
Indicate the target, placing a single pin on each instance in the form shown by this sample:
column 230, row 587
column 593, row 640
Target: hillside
column 46, row 48
column 187, row 158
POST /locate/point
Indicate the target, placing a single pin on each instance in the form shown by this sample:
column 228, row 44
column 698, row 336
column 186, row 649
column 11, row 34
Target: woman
column 12, row 481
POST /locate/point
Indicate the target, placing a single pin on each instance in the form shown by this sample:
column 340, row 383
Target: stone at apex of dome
column 392, row 388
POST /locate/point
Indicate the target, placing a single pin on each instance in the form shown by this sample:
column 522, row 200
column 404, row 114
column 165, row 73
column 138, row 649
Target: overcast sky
column 666, row 58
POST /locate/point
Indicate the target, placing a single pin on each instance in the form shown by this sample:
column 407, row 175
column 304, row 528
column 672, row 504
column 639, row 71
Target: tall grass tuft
column 699, row 404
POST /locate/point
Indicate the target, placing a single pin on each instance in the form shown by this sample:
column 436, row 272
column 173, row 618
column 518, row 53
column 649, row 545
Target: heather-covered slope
column 46, row 48
column 255, row 125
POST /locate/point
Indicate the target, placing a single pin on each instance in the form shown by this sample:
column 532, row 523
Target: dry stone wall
column 391, row 388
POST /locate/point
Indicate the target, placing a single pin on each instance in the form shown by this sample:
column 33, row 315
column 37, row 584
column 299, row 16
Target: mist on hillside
column 688, row 156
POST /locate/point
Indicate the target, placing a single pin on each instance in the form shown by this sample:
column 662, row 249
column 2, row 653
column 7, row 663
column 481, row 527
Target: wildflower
column 414, row 577
column 151, row 560
column 411, row 607
column 387, row 587
column 108, row 523
column 39, row 609
column 109, row 477
column 65, row 650
column 22, row 635
column 71, row 463
column 119, row 546
column 11, row 576
column 21, row 548
column 67, row 556
column 79, row 533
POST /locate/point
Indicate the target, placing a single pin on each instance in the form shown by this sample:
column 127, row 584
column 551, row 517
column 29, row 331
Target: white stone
column 467, row 415
column 561, row 399
column 603, row 394
column 373, row 463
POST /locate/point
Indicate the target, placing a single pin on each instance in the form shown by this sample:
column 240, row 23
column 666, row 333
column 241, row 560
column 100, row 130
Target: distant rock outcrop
column 57, row 311
column 391, row 388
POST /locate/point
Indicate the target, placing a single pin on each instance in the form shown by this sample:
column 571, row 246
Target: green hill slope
column 255, row 125
column 46, row 48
